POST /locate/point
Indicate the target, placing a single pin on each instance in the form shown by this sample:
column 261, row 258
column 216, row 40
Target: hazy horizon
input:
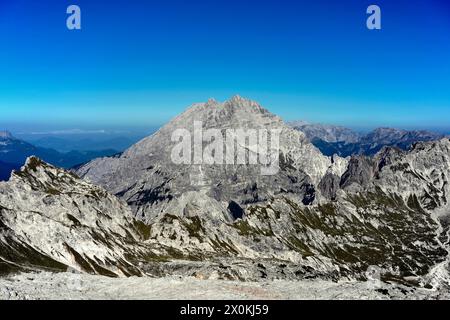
column 39, row 130
column 79, row 132
column 137, row 66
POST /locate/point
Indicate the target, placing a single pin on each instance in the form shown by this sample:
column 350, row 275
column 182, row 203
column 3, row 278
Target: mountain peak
column 211, row 102
column 240, row 101
column 45, row 177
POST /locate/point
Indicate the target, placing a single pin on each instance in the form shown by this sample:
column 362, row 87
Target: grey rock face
column 146, row 177
column 399, row 138
column 5, row 135
column 383, row 225
column 423, row 171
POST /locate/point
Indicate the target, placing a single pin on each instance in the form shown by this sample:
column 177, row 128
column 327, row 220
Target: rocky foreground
column 56, row 286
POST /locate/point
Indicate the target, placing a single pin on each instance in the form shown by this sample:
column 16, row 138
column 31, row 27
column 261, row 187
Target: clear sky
column 138, row 63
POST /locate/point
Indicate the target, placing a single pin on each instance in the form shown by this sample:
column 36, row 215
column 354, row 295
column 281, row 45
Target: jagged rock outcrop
column 359, row 173
column 399, row 138
column 52, row 220
column 392, row 214
column 5, row 135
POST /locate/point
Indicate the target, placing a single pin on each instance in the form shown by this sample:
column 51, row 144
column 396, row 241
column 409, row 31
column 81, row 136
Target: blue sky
column 139, row 63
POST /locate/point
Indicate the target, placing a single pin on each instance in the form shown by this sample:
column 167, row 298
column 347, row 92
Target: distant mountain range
column 14, row 152
column 327, row 133
column 345, row 142
column 65, row 143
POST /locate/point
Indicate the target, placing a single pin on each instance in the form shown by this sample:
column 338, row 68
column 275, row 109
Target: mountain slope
column 146, row 177
column 50, row 219
column 317, row 216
